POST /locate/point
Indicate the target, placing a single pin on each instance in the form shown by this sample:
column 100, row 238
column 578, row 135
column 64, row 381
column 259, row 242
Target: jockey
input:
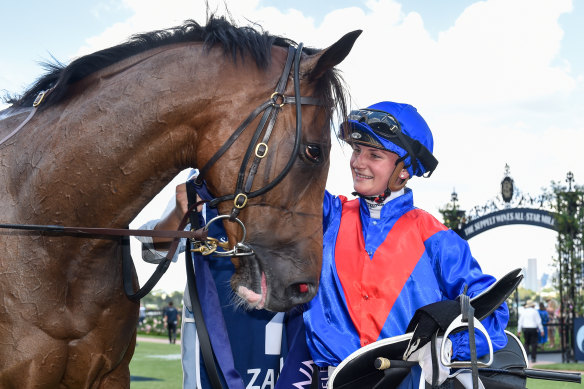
column 383, row 258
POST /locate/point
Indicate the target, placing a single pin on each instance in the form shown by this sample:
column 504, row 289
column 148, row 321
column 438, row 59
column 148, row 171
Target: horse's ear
column 317, row 64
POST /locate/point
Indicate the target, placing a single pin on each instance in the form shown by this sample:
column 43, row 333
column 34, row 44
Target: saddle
column 384, row 364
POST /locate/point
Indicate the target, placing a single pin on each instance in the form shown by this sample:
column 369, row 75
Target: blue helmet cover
column 412, row 124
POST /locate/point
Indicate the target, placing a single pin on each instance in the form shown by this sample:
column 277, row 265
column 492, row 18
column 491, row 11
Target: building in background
column 531, row 280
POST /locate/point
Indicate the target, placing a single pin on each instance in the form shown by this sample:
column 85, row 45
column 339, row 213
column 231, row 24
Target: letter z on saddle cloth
column 361, row 369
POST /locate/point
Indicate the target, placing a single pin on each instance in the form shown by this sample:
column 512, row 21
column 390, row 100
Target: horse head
column 280, row 193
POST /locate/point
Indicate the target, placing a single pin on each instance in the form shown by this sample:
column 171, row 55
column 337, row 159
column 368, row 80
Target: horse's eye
column 312, row 153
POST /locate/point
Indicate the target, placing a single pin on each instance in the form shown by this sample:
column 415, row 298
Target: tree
column 453, row 216
column 160, row 298
column 155, row 302
column 569, row 208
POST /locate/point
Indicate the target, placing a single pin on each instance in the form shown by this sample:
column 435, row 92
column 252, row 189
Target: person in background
column 553, row 314
column 543, row 338
column 142, row 314
column 530, row 325
column 383, row 258
column 171, row 317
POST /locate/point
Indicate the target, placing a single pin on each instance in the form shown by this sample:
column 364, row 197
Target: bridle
column 270, row 109
column 243, row 192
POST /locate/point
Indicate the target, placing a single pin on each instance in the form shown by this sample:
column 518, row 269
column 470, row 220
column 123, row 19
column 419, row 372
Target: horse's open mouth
column 251, row 284
column 253, row 299
column 258, row 286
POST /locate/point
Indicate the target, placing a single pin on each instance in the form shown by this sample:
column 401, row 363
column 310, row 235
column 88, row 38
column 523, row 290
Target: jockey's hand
column 424, row 357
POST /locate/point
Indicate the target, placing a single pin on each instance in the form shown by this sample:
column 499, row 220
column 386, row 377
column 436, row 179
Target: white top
column 529, row 318
column 375, row 208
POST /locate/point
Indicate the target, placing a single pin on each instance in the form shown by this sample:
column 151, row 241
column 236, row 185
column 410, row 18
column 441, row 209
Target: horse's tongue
column 253, row 298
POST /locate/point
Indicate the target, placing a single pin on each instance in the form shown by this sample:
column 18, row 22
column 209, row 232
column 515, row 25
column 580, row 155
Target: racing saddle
column 384, row 364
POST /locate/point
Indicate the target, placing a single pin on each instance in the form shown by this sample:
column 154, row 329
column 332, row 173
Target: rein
column 127, row 263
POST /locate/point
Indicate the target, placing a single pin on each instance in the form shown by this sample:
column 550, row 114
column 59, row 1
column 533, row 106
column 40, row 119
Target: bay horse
column 113, row 128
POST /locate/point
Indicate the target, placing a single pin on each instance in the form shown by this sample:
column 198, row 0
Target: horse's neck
column 121, row 135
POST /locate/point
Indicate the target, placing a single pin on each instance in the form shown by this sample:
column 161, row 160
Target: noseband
column 243, row 193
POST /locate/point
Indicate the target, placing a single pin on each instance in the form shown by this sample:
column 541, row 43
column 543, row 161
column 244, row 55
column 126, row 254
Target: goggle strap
column 426, row 157
column 403, row 159
column 421, row 156
column 409, row 150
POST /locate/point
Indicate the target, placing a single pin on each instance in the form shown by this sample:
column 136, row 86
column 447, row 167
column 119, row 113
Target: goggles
column 373, row 128
column 382, row 123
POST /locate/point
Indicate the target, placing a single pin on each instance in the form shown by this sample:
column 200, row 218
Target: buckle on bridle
column 277, row 96
column 261, row 150
column 240, row 201
column 39, row 99
column 208, row 246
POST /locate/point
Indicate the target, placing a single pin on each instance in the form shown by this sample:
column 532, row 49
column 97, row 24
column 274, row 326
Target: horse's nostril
column 301, row 291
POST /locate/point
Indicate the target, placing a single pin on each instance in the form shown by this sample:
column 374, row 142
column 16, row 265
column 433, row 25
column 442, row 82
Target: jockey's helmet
column 394, row 127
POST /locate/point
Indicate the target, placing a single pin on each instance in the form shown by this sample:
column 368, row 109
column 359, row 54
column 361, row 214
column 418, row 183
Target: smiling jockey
column 383, row 258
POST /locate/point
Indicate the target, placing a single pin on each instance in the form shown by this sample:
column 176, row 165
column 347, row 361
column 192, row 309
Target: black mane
column 218, row 30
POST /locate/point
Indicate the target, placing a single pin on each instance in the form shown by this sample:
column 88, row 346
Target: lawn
column 542, row 384
column 156, row 366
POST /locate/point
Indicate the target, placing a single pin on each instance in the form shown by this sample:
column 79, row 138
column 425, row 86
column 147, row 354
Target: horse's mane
column 218, row 30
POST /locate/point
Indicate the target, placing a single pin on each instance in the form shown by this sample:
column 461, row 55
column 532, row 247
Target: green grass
column 562, row 366
column 543, row 384
column 160, row 361
column 149, row 361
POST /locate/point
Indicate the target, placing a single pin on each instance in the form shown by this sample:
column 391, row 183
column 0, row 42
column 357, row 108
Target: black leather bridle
column 270, row 109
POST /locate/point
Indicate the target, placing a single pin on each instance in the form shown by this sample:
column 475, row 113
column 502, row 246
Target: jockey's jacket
column 377, row 272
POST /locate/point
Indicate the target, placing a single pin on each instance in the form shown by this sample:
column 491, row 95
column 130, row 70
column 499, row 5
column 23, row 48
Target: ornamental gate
column 509, row 207
column 504, row 217
column 561, row 210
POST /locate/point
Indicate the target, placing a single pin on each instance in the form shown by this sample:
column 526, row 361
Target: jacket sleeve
column 456, row 268
column 327, row 205
column 149, row 253
column 331, row 206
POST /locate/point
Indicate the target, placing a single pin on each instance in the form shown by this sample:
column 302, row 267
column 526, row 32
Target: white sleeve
column 149, row 253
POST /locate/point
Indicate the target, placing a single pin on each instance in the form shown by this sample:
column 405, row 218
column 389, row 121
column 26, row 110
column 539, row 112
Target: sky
column 500, row 82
